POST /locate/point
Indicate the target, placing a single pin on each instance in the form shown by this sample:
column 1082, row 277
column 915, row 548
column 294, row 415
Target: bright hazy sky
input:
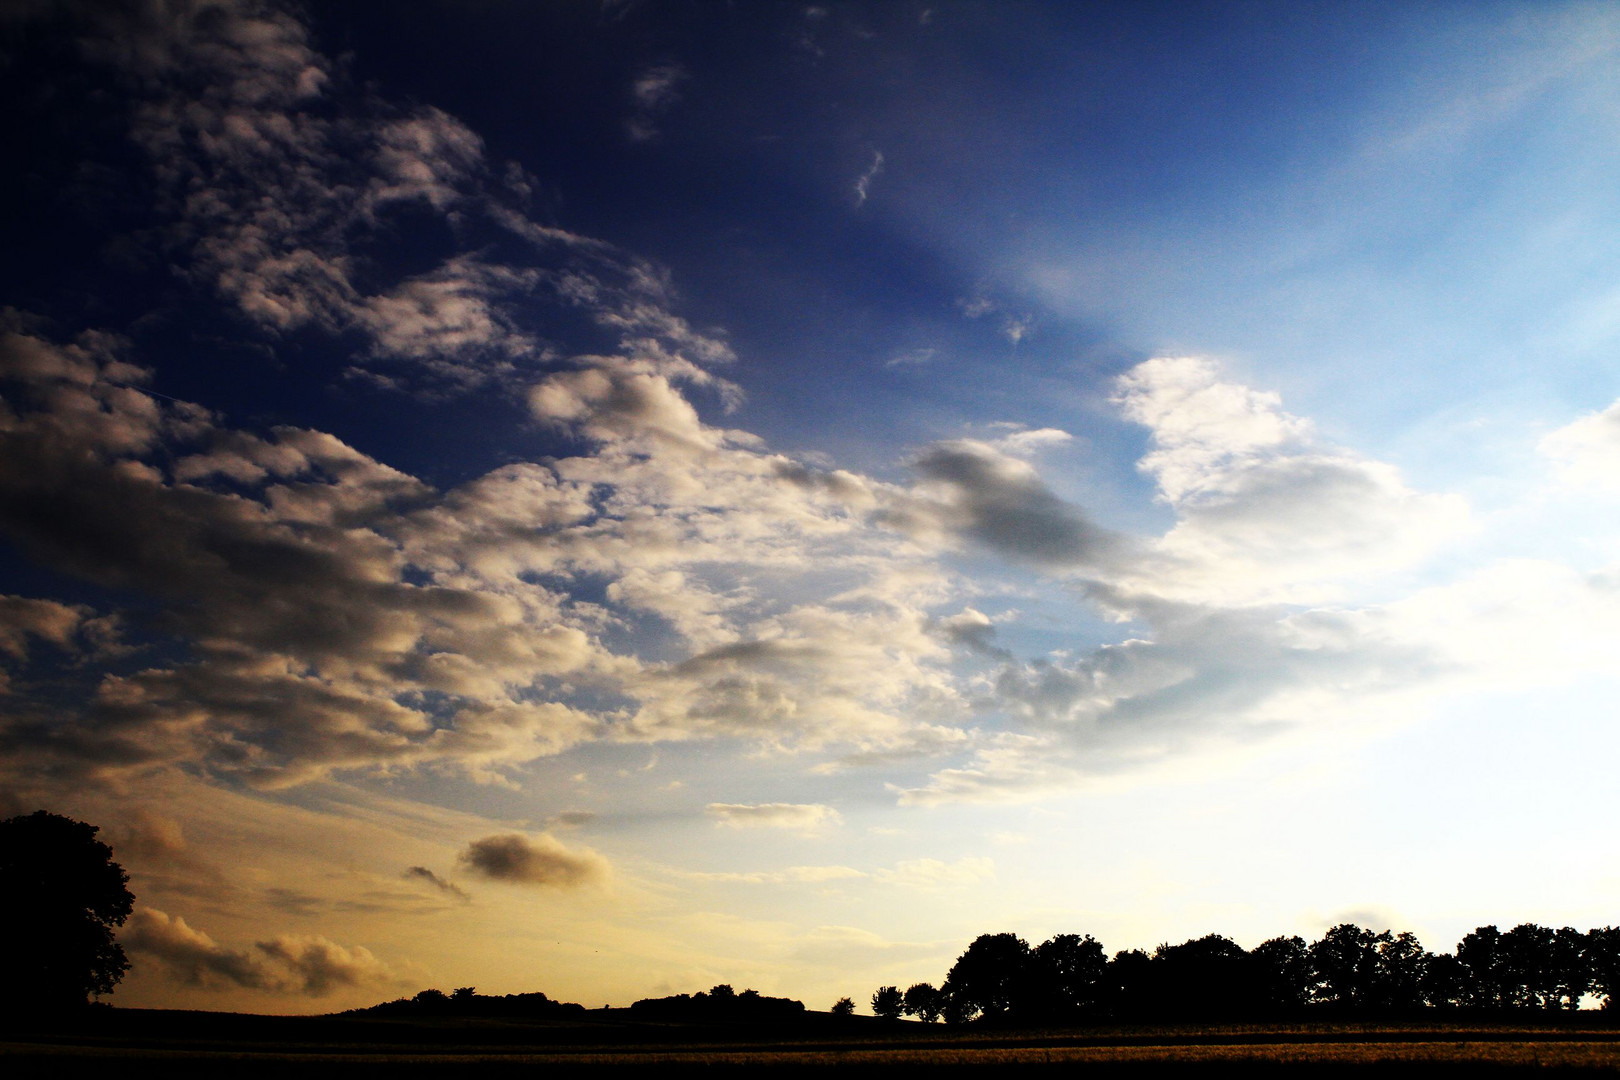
column 613, row 498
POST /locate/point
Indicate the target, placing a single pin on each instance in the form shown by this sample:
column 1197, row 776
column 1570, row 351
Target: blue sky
column 810, row 483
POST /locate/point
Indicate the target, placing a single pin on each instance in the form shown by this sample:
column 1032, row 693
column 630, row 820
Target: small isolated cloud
column 1587, row 452
column 863, row 183
column 653, row 94
column 428, row 877
column 1016, row 329
column 1027, row 442
column 975, row 490
column 543, row 861
column 911, row 358
column 773, row 815
column 976, row 307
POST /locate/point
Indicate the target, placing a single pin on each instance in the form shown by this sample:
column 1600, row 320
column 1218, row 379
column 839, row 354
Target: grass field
column 181, row 1044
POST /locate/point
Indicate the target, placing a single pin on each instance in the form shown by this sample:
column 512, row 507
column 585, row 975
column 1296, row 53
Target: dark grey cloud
column 541, row 861
column 423, row 874
column 975, row 491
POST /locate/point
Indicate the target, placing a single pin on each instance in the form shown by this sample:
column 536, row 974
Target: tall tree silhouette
column 1282, row 974
column 61, row 896
column 1066, row 974
column 1602, row 954
column 1345, row 961
column 989, row 978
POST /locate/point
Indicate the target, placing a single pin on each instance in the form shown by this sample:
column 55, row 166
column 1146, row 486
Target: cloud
column 22, row 618
column 1264, row 511
column 542, row 861
column 316, row 966
column 1587, row 450
column 792, row 875
column 652, row 94
column 976, row 491
column 310, row 965
column 191, row 956
column 863, row 183
column 423, row 874
column 803, row 816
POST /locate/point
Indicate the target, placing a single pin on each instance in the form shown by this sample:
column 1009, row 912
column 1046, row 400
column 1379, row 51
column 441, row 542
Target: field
column 150, row 1043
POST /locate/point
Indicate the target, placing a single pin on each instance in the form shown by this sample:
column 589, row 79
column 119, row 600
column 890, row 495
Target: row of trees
column 1351, row 969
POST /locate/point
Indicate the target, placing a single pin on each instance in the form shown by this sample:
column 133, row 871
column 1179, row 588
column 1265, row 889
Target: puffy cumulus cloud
column 191, row 956
column 315, row 966
column 309, row 965
column 542, row 861
column 345, row 616
column 281, row 561
column 1264, row 511
column 1587, row 451
column 802, row 816
column 814, row 676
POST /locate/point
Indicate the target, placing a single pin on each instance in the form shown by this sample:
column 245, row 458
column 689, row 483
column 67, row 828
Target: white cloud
column 1587, row 451
column 1264, row 511
column 863, row 183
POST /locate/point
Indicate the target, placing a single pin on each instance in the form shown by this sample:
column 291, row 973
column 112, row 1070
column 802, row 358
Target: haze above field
column 610, row 499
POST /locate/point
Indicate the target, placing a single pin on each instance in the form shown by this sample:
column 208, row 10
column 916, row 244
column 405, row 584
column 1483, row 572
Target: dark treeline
column 1351, row 970
column 467, row 1001
column 721, row 1004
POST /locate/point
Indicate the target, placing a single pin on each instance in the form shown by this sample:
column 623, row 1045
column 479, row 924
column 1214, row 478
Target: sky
column 613, row 498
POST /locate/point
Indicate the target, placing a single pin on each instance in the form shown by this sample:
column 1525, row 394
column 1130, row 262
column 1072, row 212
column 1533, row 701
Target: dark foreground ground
column 139, row 1042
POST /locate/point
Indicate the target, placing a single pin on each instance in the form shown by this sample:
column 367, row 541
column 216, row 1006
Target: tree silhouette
column 1207, row 976
column 888, row 1002
column 61, row 896
column 1603, row 961
column 1346, row 965
column 1281, row 971
column 843, row 1007
column 988, row 978
column 922, row 1001
column 1482, row 956
column 1130, row 981
column 1066, row 974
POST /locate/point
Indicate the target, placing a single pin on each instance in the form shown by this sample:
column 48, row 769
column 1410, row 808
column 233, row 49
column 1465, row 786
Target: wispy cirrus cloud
column 800, row 816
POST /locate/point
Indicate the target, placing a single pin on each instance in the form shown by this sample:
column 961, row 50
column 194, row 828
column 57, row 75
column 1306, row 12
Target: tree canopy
column 1350, row 969
column 61, row 897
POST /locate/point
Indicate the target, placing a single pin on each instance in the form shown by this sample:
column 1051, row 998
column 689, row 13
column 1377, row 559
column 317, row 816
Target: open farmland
column 173, row 1043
